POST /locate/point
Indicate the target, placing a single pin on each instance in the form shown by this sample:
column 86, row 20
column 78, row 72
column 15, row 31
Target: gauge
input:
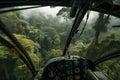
column 77, row 70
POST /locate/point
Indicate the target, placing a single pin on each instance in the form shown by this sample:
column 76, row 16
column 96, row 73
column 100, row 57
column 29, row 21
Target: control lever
column 89, row 75
column 96, row 75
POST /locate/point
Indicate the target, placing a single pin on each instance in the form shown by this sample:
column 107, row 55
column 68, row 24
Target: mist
column 48, row 15
column 44, row 10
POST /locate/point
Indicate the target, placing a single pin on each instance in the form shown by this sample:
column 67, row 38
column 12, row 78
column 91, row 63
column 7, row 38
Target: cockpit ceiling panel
column 4, row 3
column 105, row 7
column 7, row 3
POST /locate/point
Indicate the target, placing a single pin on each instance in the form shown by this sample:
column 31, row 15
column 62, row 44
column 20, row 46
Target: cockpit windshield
column 43, row 32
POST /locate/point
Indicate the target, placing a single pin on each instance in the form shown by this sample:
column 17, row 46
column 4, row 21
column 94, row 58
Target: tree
column 100, row 26
column 12, row 66
column 13, row 23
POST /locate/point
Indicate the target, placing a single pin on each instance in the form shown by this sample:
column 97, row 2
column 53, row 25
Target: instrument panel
column 65, row 69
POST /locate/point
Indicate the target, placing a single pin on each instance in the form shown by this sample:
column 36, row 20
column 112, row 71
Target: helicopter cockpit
column 66, row 66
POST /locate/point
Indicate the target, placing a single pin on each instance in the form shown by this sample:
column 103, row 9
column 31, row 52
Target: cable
column 85, row 24
column 79, row 16
column 86, row 21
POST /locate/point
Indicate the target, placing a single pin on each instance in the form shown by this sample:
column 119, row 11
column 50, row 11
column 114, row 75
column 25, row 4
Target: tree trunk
column 96, row 39
column 6, row 71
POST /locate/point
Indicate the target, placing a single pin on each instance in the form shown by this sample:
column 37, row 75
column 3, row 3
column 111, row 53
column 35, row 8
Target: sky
column 52, row 11
column 45, row 10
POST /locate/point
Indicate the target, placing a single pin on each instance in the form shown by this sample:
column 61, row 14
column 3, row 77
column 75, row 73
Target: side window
column 111, row 68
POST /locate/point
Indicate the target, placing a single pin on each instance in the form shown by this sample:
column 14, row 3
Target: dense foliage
column 44, row 37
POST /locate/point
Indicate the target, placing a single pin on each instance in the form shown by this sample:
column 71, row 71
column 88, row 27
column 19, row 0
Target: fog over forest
column 43, row 33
